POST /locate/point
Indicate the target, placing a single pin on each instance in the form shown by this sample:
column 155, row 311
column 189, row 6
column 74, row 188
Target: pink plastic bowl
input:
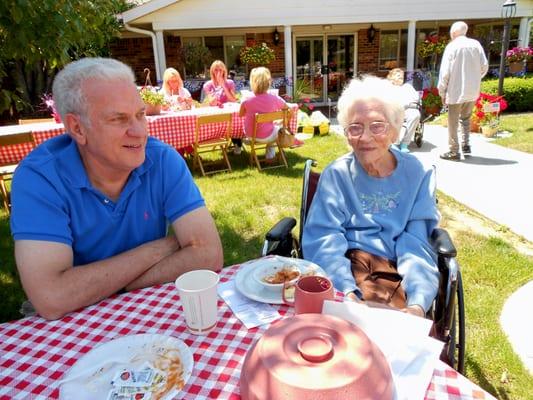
column 312, row 357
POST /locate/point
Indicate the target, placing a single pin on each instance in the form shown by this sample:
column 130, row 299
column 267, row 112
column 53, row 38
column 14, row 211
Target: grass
column 246, row 203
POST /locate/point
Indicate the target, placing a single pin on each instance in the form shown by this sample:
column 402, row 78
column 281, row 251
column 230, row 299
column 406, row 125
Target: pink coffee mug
column 309, row 294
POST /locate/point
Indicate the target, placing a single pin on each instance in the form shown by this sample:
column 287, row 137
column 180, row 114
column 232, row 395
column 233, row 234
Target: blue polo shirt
column 53, row 200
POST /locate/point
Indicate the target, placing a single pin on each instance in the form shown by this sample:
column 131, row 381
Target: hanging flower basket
column 259, row 54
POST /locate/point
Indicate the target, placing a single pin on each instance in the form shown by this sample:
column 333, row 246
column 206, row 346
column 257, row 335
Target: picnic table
column 35, row 353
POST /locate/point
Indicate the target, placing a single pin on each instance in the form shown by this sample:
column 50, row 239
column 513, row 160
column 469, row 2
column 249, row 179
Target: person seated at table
column 262, row 102
column 410, row 99
column 176, row 95
column 91, row 208
column 374, row 208
column 220, row 90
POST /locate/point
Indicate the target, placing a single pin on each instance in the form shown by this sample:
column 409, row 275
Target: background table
column 175, row 128
column 35, row 353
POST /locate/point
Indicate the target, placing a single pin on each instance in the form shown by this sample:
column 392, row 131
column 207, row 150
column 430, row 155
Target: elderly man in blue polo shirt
column 91, row 208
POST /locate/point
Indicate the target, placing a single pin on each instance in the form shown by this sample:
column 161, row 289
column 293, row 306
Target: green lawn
column 245, row 203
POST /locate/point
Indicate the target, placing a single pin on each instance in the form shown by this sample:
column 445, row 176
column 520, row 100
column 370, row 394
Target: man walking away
column 463, row 65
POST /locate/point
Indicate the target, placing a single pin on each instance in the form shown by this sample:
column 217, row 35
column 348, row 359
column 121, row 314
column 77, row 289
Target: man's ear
column 74, row 127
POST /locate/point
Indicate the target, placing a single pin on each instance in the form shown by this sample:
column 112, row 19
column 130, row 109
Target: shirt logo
column 379, row 203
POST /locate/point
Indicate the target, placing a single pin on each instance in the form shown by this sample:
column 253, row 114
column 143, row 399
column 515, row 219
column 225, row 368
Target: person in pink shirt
column 262, row 102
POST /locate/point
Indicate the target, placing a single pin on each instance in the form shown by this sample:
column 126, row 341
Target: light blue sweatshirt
column 390, row 217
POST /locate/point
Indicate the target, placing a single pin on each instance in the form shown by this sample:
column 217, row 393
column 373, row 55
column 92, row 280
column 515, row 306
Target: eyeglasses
column 357, row 129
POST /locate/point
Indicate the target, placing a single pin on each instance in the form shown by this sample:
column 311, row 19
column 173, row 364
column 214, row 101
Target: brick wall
column 138, row 54
column 368, row 53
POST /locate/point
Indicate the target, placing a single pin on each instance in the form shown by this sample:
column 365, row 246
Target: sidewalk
column 496, row 182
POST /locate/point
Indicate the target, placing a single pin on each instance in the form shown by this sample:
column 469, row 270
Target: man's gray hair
column 458, row 28
column 67, row 88
column 371, row 88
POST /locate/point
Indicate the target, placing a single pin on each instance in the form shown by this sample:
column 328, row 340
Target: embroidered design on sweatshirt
column 379, row 203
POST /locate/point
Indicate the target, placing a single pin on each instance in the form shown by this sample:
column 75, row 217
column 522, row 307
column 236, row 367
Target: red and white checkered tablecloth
column 177, row 129
column 35, row 353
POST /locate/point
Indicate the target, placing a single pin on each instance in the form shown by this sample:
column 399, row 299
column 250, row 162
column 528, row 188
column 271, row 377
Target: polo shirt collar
column 72, row 167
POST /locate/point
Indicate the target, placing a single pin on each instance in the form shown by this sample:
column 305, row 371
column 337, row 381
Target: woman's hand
column 415, row 309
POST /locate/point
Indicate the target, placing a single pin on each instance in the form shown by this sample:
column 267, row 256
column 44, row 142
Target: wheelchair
column 447, row 311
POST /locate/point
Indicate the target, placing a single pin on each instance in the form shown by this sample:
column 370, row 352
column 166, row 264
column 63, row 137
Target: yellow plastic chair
column 7, row 142
column 35, row 120
column 262, row 162
column 214, row 144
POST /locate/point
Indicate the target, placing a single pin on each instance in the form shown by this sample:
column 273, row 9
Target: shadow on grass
column 10, row 287
column 477, row 372
column 241, row 163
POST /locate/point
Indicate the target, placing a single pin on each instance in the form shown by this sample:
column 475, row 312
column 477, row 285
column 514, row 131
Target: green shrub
column 517, row 91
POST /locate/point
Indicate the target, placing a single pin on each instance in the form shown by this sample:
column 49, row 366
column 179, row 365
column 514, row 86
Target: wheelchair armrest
column 281, row 230
column 442, row 243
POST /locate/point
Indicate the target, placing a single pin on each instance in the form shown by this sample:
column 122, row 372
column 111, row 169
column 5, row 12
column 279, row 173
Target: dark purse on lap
column 377, row 278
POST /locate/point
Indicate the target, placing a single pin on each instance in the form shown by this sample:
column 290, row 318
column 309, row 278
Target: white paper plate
column 247, row 285
column 125, row 352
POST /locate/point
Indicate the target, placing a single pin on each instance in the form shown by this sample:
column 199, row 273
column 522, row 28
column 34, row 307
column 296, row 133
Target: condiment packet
column 141, row 377
column 113, row 395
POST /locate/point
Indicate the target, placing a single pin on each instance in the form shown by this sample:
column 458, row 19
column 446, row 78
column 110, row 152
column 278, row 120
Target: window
column 392, row 49
column 222, row 48
column 490, row 37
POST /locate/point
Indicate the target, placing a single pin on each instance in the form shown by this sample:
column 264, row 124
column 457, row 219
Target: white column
column 523, row 31
column 162, row 58
column 411, row 42
column 287, row 40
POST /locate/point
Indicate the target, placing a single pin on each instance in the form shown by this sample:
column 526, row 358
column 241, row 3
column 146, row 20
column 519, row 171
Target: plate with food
column 144, row 366
column 263, row 279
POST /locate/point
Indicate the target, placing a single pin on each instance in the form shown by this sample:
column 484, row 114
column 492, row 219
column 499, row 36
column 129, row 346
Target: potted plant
column 431, row 48
column 431, row 101
column 258, row 54
column 153, row 100
column 486, row 113
column 517, row 57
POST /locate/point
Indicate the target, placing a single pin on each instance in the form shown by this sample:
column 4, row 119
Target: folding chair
column 255, row 145
column 447, row 311
column 12, row 149
column 219, row 141
column 35, row 120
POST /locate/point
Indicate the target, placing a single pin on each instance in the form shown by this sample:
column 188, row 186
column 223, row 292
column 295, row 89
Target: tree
column 38, row 37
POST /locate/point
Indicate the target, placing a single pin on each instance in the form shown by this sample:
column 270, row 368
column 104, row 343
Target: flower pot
column 489, row 131
column 152, row 109
column 474, row 126
column 432, row 110
column 516, row 67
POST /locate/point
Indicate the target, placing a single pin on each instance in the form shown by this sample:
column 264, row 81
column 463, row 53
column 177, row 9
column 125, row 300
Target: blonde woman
column 219, row 89
column 175, row 93
column 262, row 102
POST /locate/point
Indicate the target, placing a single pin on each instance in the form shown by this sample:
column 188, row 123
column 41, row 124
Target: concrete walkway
column 494, row 180
column 498, row 183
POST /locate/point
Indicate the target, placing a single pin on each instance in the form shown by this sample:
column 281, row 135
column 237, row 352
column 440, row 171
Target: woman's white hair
column 371, row 88
column 68, row 84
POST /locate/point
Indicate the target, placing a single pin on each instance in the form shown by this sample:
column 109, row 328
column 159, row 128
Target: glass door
column 340, row 64
column 309, row 82
column 320, row 81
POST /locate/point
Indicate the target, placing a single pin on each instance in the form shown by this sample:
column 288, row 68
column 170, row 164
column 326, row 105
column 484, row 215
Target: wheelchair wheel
column 457, row 341
column 419, row 134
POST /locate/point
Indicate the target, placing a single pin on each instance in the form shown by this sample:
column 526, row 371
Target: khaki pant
column 459, row 114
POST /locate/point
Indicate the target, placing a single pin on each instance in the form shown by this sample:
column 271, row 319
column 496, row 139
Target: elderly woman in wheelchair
column 374, row 208
column 410, row 100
